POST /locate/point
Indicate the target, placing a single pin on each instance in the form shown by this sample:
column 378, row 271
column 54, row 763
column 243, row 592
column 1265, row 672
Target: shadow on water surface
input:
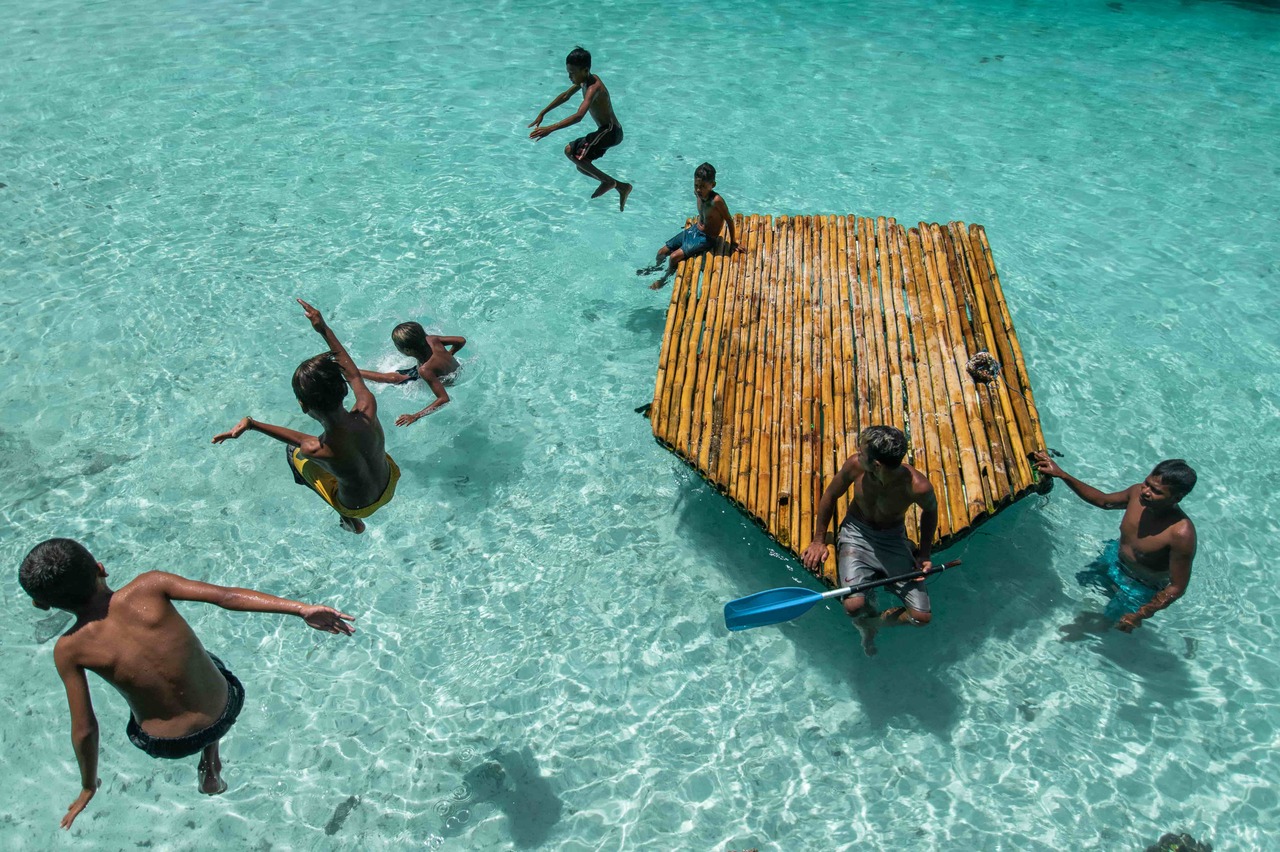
column 1006, row 583
column 470, row 460
column 510, row 782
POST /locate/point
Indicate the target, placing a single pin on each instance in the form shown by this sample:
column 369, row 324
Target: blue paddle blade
column 769, row 607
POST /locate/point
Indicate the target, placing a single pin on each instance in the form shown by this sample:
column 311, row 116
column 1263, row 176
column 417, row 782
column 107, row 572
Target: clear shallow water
column 541, row 661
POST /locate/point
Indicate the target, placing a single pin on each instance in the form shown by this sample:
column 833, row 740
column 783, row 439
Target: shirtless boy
column 872, row 543
column 701, row 236
column 584, row 151
column 182, row 699
column 437, row 365
column 1157, row 539
column 347, row 465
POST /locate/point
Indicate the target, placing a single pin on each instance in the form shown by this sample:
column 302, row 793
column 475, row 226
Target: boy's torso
column 601, row 106
column 359, row 461
column 709, row 220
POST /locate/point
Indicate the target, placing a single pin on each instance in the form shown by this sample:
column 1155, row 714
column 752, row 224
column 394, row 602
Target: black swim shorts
column 172, row 748
column 593, row 145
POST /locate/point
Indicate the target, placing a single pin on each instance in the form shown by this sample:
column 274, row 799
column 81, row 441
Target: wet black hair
column 59, row 572
column 318, row 383
column 884, row 444
column 706, row 172
column 578, row 58
column 411, row 337
column 1176, row 474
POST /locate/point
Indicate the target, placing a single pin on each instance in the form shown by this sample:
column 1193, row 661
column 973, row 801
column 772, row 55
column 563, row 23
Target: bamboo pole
column 951, row 494
column 870, row 391
column 915, row 290
column 847, row 269
column 740, row 382
column 708, row 361
column 761, row 483
column 664, row 357
column 785, row 368
column 830, row 370
column 808, row 399
column 975, row 341
column 905, row 354
column 690, row 386
column 889, row 281
column 686, row 286
column 795, row 367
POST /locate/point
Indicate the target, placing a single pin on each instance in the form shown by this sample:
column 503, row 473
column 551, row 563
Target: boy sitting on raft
column 703, row 234
column 182, row 699
column 347, row 465
column 437, row 365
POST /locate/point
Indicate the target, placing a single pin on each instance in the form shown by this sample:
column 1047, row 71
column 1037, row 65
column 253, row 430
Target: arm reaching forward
column 1087, row 493
column 179, row 588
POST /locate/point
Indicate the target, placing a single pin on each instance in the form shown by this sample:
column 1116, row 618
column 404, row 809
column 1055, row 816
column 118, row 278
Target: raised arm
column 442, row 398
column 559, row 99
column 179, row 588
column 84, row 729
column 366, row 403
column 816, row 553
column 1182, row 550
column 310, row 444
column 1087, row 493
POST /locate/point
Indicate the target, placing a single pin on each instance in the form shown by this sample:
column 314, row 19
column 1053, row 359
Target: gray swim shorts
column 864, row 554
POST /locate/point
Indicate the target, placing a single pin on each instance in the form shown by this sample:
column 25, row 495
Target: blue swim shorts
column 1127, row 594
column 693, row 241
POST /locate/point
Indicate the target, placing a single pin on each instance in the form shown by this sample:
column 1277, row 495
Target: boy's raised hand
column 328, row 619
column 317, row 321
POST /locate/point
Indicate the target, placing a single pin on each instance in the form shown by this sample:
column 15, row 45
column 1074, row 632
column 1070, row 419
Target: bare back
column 441, row 362
column 359, row 459
column 144, row 648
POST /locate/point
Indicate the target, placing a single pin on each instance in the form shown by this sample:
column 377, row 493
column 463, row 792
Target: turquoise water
column 541, row 660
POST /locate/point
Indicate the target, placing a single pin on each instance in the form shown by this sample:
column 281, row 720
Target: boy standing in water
column 1151, row 567
column 437, row 365
column 182, row 699
column 583, row 151
column 872, row 543
column 347, row 465
column 701, row 236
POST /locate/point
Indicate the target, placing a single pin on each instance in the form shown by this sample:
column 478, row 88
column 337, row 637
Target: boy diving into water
column 702, row 235
column 347, row 465
column 583, row 152
column 1151, row 566
column 872, row 543
column 182, row 699
column 437, row 365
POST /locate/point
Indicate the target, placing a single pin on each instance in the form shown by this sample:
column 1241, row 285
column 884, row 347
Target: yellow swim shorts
column 324, row 483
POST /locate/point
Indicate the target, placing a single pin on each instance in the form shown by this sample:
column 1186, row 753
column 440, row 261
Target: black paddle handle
column 888, row 581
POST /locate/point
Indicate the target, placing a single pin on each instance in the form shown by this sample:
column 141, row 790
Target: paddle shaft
column 888, row 581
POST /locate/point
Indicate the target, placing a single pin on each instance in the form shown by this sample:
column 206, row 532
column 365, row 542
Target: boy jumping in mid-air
column 437, row 365
column 182, row 699
column 347, row 465
column 701, row 236
column 582, row 152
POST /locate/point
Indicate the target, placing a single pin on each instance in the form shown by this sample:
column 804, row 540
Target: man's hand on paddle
column 815, row 555
column 317, row 321
column 925, row 564
column 1046, row 465
column 236, row 431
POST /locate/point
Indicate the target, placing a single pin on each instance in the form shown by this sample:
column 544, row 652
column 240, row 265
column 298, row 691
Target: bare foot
column 624, row 189
column 210, row 774
column 354, row 525
column 605, row 186
column 659, row 284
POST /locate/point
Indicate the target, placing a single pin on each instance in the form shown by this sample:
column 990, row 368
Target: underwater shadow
column 1004, row 584
column 510, row 782
column 648, row 322
column 471, row 459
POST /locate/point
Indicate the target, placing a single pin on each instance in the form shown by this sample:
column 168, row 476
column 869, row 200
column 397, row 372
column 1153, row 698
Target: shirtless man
column 872, row 543
column 582, row 152
column 347, row 465
column 1157, row 540
column 701, row 236
column 437, row 365
column 182, row 699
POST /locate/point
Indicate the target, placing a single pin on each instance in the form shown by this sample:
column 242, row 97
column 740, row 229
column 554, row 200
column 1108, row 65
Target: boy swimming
column 347, row 465
column 437, row 365
column 701, row 236
column 182, row 699
column 583, row 151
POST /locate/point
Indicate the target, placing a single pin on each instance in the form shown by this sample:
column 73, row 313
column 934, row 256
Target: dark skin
column 433, row 368
column 136, row 641
column 881, row 498
column 596, row 101
column 713, row 215
column 351, row 447
column 1157, row 539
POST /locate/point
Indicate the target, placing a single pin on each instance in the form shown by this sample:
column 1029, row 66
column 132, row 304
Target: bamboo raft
column 774, row 361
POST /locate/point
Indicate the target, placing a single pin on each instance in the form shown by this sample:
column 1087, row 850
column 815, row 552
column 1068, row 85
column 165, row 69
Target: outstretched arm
column 384, row 378
column 1087, row 493
column 573, row 119
column 366, row 403
column 310, row 444
column 179, row 588
column 816, row 553
column 559, row 99
column 1182, row 550
column 84, row 730
column 442, row 398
